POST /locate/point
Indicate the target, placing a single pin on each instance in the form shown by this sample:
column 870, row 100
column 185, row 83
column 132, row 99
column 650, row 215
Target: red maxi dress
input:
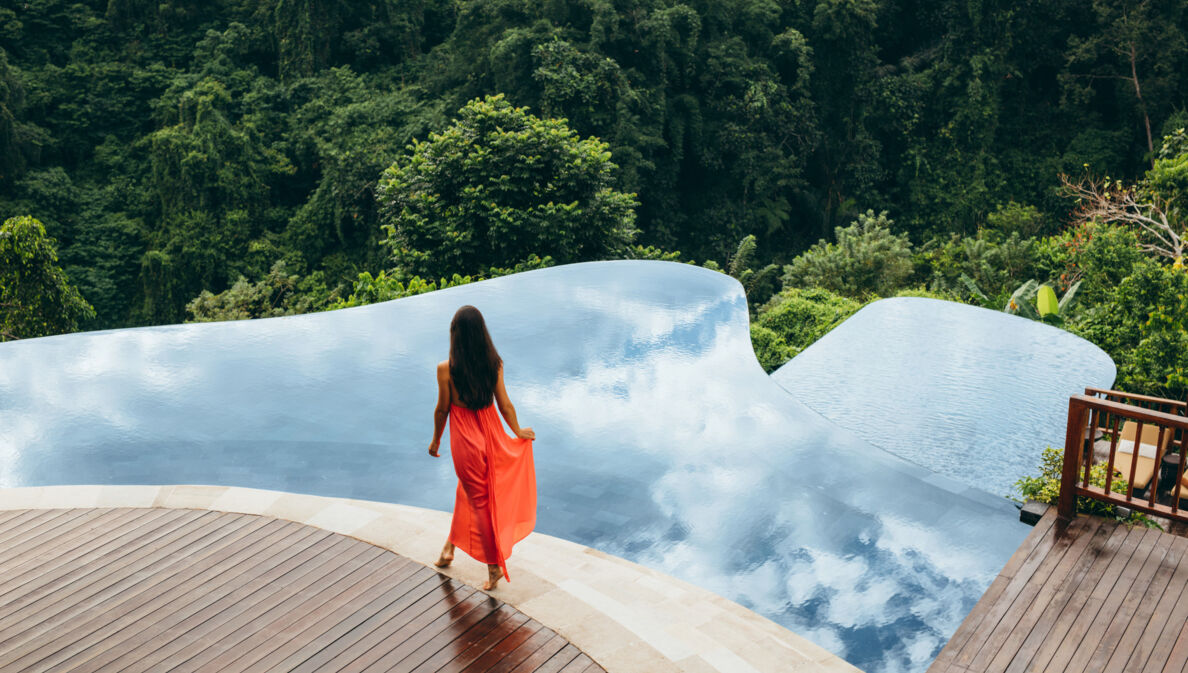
column 496, row 502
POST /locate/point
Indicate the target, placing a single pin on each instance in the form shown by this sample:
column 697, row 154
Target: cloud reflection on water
column 660, row 439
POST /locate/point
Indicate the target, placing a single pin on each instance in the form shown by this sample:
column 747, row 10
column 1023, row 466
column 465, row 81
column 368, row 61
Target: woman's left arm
column 442, row 412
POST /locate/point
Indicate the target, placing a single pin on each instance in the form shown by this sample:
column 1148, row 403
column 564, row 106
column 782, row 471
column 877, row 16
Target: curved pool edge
column 627, row 617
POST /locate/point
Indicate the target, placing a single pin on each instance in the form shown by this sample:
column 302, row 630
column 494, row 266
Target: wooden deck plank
column 504, row 647
column 1116, row 600
column 1089, row 611
column 541, row 655
column 1171, row 635
column 1093, row 596
column 85, row 584
column 488, row 630
column 284, row 596
column 145, row 590
column 973, row 621
column 1177, row 659
column 373, row 630
column 430, row 637
column 410, row 621
column 88, row 586
column 559, row 660
column 37, row 521
column 1048, row 609
column 991, row 612
column 579, row 664
column 140, row 589
column 1052, row 591
column 38, row 572
column 167, row 633
column 1149, row 640
column 278, row 640
column 1029, row 587
column 1058, row 631
column 330, row 638
column 28, row 542
column 524, row 649
column 1121, row 639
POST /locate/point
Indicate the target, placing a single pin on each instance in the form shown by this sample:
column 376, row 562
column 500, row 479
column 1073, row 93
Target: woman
column 495, row 506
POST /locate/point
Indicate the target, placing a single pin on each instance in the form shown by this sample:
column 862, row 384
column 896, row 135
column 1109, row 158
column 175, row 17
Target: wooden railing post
column 1066, row 507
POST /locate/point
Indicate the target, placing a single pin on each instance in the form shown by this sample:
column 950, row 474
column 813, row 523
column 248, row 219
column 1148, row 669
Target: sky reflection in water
column 968, row 392
column 660, row 440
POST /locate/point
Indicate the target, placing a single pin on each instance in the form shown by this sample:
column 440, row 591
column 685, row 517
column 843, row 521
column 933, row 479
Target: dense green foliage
column 174, row 147
column 794, row 319
column 236, row 159
column 866, row 258
column 36, row 298
column 1113, row 291
column 498, row 187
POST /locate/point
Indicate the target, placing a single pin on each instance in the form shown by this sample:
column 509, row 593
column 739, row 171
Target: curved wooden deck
column 134, row 589
column 1092, row 596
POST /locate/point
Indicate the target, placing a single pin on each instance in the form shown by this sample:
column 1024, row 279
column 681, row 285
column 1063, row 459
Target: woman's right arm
column 442, row 412
column 509, row 411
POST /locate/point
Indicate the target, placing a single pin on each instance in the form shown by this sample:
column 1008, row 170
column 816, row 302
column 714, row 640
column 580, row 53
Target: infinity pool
column 968, row 392
column 660, row 440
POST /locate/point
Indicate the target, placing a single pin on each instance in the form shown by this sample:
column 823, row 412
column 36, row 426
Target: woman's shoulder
column 443, row 369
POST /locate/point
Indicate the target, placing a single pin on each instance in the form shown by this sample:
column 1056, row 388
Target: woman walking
column 495, row 506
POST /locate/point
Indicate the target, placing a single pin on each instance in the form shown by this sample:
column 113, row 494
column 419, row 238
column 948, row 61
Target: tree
column 211, row 177
column 1135, row 50
column 36, row 297
column 1143, row 326
column 1153, row 207
column 498, row 186
column 867, row 258
column 277, row 294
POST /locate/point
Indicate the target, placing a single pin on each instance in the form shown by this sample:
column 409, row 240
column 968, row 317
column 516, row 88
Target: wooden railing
column 1174, row 407
column 1095, row 419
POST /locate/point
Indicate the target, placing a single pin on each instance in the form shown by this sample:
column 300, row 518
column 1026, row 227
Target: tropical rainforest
column 182, row 160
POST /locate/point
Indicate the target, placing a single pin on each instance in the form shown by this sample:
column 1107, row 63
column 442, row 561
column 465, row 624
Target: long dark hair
column 474, row 362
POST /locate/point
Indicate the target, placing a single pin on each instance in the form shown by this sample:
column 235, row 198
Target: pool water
column 970, row 393
column 660, row 439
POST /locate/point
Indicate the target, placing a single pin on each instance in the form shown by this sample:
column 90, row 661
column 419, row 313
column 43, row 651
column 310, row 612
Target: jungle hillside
column 180, row 160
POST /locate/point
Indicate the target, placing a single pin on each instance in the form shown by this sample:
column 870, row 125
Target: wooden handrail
column 1130, row 411
column 1085, row 412
column 1175, row 404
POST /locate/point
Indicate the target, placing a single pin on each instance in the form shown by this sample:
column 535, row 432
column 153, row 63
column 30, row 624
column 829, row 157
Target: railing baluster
column 1094, row 419
column 1134, row 458
column 1176, row 494
column 1158, row 468
column 1113, row 447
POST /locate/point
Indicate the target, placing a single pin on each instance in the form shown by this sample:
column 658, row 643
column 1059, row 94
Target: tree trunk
column 1138, row 92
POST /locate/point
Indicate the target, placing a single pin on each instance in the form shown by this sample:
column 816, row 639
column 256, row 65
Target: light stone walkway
column 628, row 618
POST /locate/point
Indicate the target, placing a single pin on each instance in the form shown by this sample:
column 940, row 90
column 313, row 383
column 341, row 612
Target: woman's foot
column 447, row 556
column 494, row 574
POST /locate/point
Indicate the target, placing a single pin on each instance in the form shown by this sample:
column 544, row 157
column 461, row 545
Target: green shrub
column 795, row 318
column 866, row 259
column 1046, row 488
column 770, row 349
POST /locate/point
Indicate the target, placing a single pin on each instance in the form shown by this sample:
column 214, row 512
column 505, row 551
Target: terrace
column 1087, row 593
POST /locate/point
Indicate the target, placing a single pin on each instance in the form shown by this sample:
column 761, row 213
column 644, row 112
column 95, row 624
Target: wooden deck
column 186, row 590
column 1092, row 596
